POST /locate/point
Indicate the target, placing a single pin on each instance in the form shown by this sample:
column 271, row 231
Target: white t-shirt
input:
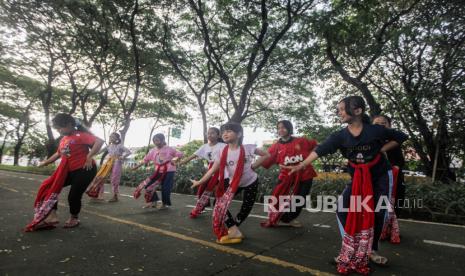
column 117, row 150
column 209, row 153
column 248, row 175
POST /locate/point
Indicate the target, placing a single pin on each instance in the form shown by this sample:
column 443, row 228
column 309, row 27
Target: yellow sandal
column 227, row 240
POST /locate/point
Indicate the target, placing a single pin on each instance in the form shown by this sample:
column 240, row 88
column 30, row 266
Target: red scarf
column 48, row 193
column 391, row 229
column 202, row 188
column 224, row 198
column 158, row 176
column 204, row 197
column 358, row 236
column 289, row 186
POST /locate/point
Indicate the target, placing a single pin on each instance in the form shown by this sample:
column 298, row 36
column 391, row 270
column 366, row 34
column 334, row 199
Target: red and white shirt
column 290, row 153
column 76, row 147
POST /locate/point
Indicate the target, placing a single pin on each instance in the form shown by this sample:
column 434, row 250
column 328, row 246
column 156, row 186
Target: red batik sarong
column 224, row 198
column 48, row 193
column 358, row 236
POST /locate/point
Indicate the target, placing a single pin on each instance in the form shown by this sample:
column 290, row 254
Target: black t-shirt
column 363, row 148
column 396, row 157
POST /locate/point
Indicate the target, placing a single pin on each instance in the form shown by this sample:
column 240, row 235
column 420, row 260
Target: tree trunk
column 150, row 137
column 124, row 130
column 204, row 122
column 46, row 97
column 17, row 150
column 2, row 148
column 135, row 50
column 51, row 143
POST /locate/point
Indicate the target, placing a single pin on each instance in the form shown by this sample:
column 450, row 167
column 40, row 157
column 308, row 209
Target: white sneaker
column 163, row 207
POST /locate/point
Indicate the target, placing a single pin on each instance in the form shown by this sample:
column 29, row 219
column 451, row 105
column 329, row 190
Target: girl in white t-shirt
column 238, row 161
column 209, row 152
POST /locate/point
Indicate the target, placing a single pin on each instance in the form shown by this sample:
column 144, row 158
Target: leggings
column 400, row 194
column 248, row 200
column 304, row 190
column 78, row 180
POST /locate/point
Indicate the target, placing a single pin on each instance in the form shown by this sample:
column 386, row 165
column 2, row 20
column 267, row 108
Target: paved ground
column 122, row 238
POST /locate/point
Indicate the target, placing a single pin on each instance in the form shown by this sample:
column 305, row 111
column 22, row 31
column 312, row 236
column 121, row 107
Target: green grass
column 28, row 169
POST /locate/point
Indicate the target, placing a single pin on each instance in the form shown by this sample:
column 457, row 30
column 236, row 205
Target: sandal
column 378, row 259
column 45, row 226
column 114, row 199
column 151, row 205
column 227, row 240
column 294, row 223
column 71, row 223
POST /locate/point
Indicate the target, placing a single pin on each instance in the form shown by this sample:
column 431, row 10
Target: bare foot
column 113, row 199
column 52, row 218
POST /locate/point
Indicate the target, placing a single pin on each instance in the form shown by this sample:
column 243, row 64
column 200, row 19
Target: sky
column 138, row 134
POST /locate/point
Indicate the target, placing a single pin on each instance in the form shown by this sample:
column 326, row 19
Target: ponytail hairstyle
column 353, row 102
column 217, row 130
column 287, row 125
column 64, row 120
column 160, row 137
column 118, row 137
column 235, row 127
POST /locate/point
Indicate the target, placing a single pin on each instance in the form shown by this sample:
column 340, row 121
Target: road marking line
column 322, row 225
column 210, row 209
column 225, row 249
column 445, row 244
column 119, row 194
column 433, row 223
column 9, row 189
column 258, row 203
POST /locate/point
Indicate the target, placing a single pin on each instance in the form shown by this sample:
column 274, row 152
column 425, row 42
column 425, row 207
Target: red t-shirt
column 76, row 146
column 291, row 153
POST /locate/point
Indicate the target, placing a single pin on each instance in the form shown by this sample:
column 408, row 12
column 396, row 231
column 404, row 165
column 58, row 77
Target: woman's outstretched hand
column 293, row 169
column 195, row 183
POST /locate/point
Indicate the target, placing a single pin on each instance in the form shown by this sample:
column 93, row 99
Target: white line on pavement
column 445, row 244
column 210, row 209
column 404, row 220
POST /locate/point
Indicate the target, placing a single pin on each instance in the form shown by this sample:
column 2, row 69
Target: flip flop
column 227, row 240
column 377, row 260
column 69, row 225
column 46, row 226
